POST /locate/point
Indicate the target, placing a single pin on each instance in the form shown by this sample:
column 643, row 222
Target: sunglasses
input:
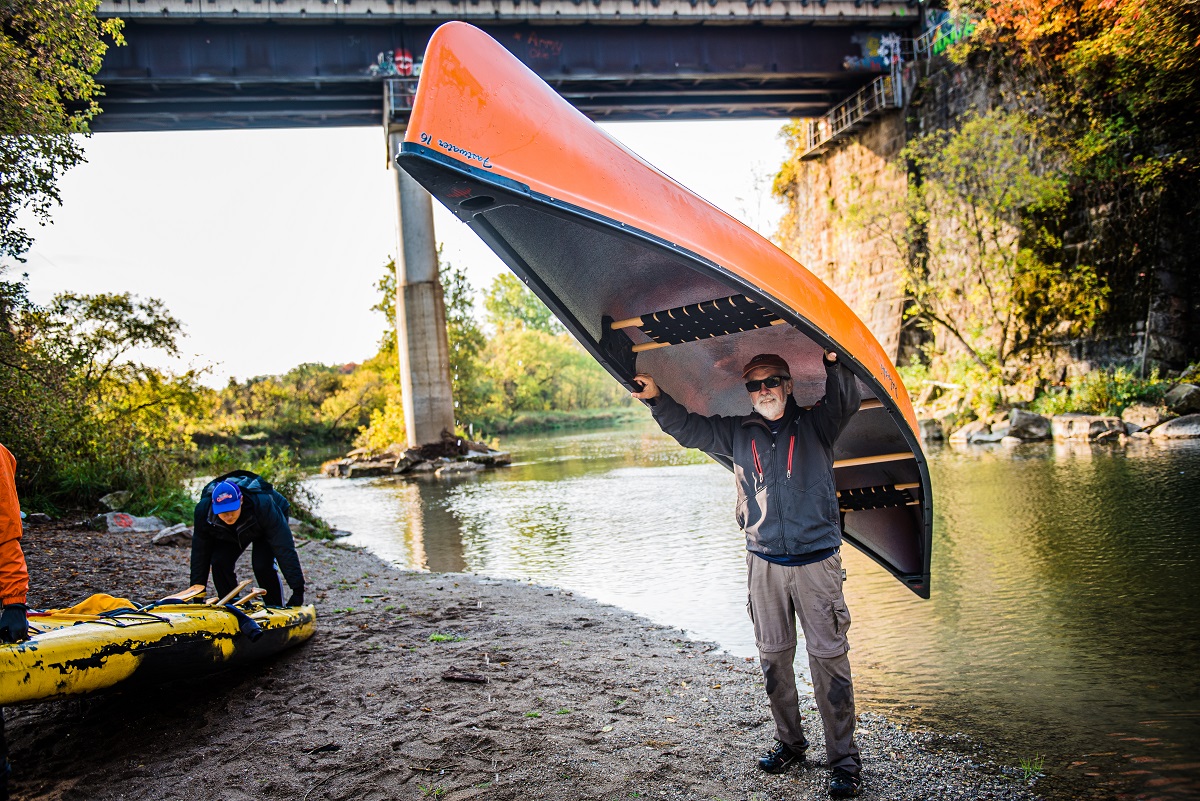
column 770, row 382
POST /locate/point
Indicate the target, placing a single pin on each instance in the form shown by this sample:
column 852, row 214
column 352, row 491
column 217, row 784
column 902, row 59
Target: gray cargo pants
column 777, row 595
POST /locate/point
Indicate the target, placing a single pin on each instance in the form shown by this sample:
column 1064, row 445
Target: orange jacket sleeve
column 14, row 575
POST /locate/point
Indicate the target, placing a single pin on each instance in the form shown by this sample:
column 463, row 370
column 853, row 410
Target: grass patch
column 437, row 636
column 1031, row 767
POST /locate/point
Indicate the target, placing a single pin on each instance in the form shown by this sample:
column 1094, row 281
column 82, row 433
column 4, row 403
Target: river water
column 1063, row 618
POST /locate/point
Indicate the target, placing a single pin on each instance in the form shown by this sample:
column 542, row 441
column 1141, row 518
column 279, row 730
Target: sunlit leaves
column 49, row 52
column 986, row 269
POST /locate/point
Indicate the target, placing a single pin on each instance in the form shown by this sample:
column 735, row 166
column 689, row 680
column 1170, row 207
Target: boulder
column 1027, row 425
column 365, row 469
column 966, row 433
column 931, row 430
column 989, row 436
column 407, row 460
column 1085, row 426
column 1186, row 427
column 113, row 501
column 425, row 467
column 300, row 527
column 1143, row 415
column 180, row 534
column 39, row 519
column 1183, row 399
column 458, row 469
column 489, row 458
column 114, row 522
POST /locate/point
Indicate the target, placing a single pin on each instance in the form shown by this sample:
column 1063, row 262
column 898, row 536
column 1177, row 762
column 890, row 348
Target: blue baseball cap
column 226, row 497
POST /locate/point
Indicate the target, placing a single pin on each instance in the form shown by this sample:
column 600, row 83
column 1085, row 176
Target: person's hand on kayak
column 649, row 389
column 14, row 625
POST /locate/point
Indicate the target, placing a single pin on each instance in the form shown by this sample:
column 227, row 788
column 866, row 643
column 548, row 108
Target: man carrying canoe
column 237, row 511
column 787, row 507
column 14, row 575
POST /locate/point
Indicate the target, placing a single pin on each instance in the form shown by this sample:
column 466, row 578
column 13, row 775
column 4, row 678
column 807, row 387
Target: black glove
column 14, row 626
column 297, row 598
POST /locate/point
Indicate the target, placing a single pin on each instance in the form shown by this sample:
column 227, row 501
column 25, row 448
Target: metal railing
column 935, row 40
column 885, row 92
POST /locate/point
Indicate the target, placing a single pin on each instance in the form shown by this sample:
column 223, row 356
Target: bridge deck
column 283, row 64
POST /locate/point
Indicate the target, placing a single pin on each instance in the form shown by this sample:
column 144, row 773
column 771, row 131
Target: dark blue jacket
column 784, row 511
column 263, row 518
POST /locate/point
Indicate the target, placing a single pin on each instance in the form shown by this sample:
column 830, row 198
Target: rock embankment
column 451, row 456
column 1177, row 418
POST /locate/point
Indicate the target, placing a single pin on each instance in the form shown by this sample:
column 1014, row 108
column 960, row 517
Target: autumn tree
column 987, row 268
column 50, row 52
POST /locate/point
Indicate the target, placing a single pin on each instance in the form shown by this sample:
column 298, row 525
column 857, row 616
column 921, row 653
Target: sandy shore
column 581, row 701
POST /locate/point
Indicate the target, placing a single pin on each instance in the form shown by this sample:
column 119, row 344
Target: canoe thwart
column 704, row 320
column 883, row 457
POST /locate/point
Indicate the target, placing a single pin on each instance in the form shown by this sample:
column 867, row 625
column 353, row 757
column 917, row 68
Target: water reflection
column 1064, row 594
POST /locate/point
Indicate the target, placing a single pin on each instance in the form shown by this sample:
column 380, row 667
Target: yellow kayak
column 69, row 653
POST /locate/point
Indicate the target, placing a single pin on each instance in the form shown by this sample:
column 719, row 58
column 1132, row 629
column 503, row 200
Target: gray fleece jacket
column 787, row 502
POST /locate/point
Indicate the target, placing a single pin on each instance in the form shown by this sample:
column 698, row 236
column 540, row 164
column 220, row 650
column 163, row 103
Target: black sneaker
column 844, row 784
column 780, row 758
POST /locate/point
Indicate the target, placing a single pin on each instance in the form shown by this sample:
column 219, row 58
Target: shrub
column 1107, row 392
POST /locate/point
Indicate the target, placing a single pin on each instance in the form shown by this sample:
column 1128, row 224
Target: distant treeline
column 85, row 418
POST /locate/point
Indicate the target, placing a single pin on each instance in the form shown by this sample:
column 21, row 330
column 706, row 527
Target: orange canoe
column 651, row 278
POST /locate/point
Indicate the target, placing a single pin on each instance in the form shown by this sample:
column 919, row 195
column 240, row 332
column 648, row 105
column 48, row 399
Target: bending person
column 787, row 507
column 14, row 575
column 242, row 510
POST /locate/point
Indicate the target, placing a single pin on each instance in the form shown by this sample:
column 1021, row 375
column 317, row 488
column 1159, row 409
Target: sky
column 267, row 245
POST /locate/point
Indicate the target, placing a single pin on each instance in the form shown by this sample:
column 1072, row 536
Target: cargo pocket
column 841, row 618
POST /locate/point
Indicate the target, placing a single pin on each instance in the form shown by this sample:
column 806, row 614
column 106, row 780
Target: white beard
column 768, row 406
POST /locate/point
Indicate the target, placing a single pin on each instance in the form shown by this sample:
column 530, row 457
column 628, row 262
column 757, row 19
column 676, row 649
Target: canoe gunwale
column 420, row 156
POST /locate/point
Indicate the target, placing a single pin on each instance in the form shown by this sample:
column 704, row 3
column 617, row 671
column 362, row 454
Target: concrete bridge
column 221, row 64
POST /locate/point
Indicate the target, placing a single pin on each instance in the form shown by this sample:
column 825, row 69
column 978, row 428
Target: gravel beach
column 450, row 686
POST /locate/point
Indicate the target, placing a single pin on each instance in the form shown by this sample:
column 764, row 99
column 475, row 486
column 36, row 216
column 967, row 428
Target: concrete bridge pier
column 420, row 313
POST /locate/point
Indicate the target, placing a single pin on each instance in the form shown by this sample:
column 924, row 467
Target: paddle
column 191, row 592
column 232, row 594
column 257, row 592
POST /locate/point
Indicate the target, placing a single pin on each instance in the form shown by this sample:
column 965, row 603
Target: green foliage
column 466, row 342
column 386, row 425
column 510, row 304
column 983, row 262
column 311, row 404
column 49, row 55
column 529, row 373
column 1107, row 392
column 81, row 415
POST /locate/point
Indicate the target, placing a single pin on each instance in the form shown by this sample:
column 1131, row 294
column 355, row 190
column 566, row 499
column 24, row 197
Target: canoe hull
column 602, row 238
column 74, row 655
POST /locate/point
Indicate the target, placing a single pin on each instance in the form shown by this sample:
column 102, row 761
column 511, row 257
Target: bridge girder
column 192, row 73
column 541, row 12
